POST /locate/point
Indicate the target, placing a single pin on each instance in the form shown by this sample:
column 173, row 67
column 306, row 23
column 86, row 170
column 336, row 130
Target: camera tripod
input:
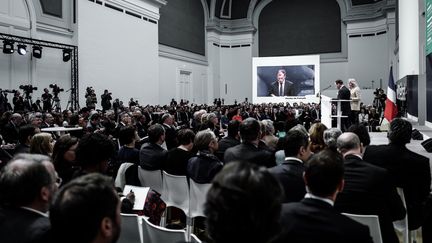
column 56, row 106
column 69, row 104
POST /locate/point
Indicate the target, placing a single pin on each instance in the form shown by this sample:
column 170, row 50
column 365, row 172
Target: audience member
column 290, row 172
column 170, row 131
column 64, row 157
column 86, row 210
column 42, row 143
column 205, row 165
column 409, row 171
column 177, row 160
column 93, row 154
column 152, row 155
column 248, row 150
column 128, row 136
column 243, row 205
column 25, row 135
column 314, row 219
column 317, row 137
column 268, row 134
column 368, row 188
column 10, row 130
column 231, row 140
column 27, row 186
column 330, row 137
column 361, row 131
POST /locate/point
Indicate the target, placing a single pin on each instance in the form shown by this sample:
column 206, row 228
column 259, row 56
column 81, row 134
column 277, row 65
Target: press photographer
column 56, row 101
column 4, row 103
column 106, row 100
column 91, row 99
column 46, row 101
column 28, row 89
column 379, row 100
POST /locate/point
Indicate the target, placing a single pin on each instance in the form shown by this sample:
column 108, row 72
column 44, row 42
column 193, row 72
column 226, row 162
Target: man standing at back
column 344, row 94
column 314, row 219
column 248, row 150
column 290, row 172
column 368, row 189
column 27, row 186
column 409, row 171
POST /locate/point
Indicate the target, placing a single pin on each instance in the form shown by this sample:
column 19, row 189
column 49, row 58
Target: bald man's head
column 348, row 142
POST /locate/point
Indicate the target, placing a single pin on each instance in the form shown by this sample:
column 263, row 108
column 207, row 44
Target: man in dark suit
column 170, row 131
column 282, row 87
column 27, row 185
column 10, row 131
column 314, row 219
column 290, row 172
column 152, row 155
column 368, row 189
column 229, row 141
column 344, row 94
column 408, row 170
column 248, row 150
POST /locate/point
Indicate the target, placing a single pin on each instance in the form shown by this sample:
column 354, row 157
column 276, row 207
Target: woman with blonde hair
column 355, row 100
column 316, row 135
column 41, row 143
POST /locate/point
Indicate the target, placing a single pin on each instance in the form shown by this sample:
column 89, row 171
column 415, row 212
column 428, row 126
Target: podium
column 326, row 111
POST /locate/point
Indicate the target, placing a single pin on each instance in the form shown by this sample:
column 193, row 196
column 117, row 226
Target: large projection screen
column 301, row 75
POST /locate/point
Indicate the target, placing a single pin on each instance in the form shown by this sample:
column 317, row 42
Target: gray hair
column 348, row 141
column 330, row 137
column 203, row 139
column 268, row 127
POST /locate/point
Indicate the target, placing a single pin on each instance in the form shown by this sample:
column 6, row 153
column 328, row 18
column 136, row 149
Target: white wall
column 117, row 52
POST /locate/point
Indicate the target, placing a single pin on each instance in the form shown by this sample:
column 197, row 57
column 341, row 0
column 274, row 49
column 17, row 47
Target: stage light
column 22, row 49
column 37, row 52
column 66, row 55
column 8, row 47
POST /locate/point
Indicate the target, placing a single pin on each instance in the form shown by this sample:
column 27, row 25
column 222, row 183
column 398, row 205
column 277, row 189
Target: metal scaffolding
column 74, row 60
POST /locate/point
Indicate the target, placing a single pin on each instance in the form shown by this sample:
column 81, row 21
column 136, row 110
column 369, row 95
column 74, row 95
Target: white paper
column 140, row 195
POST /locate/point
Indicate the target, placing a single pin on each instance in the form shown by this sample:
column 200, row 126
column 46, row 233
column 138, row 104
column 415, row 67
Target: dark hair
column 185, row 136
column 400, row 131
column 94, row 148
column 243, row 204
column 294, row 140
column 338, row 81
column 126, row 135
column 24, row 132
column 324, row 172
column 62, row 145
column 21, row 184
column 154, row 132
column 361, row 131
column 81, row 205
column 250, row 129
column 233, row 128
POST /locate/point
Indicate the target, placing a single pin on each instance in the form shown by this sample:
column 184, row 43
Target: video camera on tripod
column 28, row 89
column 55, row 89
column 10, row 91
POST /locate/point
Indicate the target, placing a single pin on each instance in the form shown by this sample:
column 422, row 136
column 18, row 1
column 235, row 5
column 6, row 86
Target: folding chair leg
column 189, row 227
column 164, row 218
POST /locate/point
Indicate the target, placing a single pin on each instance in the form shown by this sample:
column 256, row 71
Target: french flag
column 391, row 110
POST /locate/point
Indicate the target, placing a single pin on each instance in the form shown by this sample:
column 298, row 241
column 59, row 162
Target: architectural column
column 408, row 38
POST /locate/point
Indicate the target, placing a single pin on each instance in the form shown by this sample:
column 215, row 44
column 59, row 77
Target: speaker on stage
column 427, row 144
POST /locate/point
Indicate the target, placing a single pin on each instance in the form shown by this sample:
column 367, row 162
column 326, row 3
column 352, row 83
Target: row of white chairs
column 137, row 229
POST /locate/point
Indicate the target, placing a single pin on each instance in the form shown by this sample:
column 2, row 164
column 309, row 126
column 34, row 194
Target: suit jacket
column 224, row 144
column 407, row 170
column 19, row 225
column 312, row 220
column 203, row 167
column 344, row 94
column 368, row 190
column 152, row 156
column 10, row 133
column 288, row 89
column 290, row 175
column 170, row 137
column 248, row 152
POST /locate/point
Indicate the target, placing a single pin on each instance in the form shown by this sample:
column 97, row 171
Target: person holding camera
column 46, row 101
column 18, row 102
column 106, row 100
column 91, row 99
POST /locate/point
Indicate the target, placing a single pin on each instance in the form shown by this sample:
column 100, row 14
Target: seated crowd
column 277, row 174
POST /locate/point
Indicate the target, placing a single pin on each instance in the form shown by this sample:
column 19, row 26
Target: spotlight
column 8, row 47
column 37, row 52
column 66, row 55
column 22, row 49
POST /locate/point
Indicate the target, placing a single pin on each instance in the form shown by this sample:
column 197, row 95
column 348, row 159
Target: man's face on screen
column 280, row 77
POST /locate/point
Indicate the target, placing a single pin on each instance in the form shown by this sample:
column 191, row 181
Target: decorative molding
column 237, row 26
column 147, row 8
column 181, row 55
column 369, row 11
column 54, row 29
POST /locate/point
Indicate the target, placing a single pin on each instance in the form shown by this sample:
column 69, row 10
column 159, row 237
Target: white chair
column 131, row 230
column 198, row 193
column 157, row 234
column 176, row 192
column 194, row 239
column 150, row 178
column 120, row 180
column 371, row 221
column 402, row 225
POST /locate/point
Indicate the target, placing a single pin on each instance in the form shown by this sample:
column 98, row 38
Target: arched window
column 298, row 27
